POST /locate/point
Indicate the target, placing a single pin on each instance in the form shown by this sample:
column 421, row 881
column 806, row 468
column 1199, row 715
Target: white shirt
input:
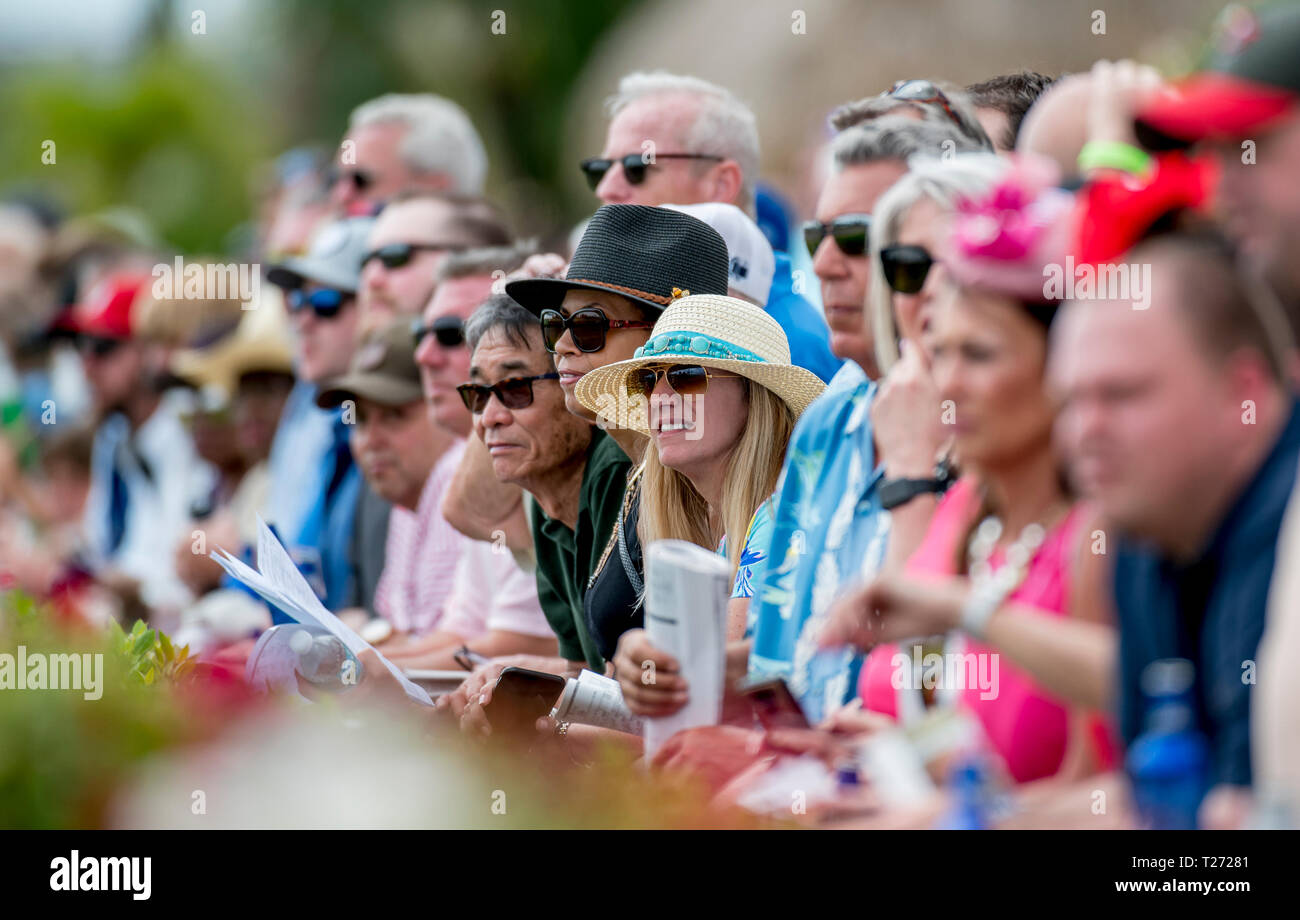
column 159, row 499
column 491, row 592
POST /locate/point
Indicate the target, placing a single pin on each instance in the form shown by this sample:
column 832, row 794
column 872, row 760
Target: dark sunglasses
column 685, row 379
column 97, row 346
column 905, row 267
column 447, row 331
column 360, row 179
column 587, row 327
column 634, row 165
column 923, row 92
column 395, row 255
column 324, row 302
column 513, row 393
column 849, row 231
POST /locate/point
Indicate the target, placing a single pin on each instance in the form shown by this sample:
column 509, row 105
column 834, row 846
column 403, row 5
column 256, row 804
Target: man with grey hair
column 832, row 524
column 924, row 100
column 679, row 140
column 463, row 281
column 398, row 143
column 676, row 139
column 574, row 472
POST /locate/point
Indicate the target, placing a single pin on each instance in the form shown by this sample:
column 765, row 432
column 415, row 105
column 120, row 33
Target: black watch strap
column 895, row 492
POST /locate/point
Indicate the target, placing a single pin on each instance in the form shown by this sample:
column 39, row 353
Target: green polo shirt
column 566, row 558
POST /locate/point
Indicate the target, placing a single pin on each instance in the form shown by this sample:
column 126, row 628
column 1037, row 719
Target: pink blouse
column 1025, row 725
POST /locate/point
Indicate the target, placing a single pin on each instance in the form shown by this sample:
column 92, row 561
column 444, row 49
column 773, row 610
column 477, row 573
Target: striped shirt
column 420, row 555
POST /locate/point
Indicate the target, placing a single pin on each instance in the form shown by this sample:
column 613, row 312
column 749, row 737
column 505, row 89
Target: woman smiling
column 716, row 393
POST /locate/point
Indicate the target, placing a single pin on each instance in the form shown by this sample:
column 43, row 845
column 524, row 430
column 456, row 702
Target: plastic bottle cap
column 300, row 641
column 1168, row 677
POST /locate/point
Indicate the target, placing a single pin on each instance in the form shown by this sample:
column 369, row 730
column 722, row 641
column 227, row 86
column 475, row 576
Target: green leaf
column 143, row 643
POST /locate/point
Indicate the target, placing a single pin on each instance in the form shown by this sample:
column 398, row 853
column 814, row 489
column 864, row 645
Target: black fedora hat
column 639, row 252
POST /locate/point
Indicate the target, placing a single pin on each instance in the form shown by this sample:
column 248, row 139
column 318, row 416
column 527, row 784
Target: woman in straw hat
column 715, row 392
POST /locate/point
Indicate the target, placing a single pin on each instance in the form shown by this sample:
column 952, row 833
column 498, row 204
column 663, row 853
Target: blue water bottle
column 970, row 790
column 1169, row 763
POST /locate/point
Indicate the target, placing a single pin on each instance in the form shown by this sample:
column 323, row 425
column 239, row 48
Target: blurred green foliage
column 182, row 127
column 162, row 134
column 62, row 756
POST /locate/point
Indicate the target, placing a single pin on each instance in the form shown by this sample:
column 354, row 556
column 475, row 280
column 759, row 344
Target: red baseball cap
column 105, row 311
column 1253, row 81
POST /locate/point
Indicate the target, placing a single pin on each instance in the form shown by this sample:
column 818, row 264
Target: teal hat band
column 694, row 345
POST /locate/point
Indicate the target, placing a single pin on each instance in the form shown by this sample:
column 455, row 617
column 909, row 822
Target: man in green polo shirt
column 574, row 472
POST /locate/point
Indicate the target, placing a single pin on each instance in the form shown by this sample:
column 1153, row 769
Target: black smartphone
column 520, row 698
column 775, row 706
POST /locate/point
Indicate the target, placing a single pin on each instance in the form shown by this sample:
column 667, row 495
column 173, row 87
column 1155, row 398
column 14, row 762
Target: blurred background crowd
column 961, row 332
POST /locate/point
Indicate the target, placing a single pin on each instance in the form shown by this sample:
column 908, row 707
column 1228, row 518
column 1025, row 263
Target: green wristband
column 1113, row 155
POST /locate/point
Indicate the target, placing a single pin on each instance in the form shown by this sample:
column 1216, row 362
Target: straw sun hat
column 712, row 331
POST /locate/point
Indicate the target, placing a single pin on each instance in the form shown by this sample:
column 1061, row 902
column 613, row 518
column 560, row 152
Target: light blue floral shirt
column 828, row 533
column 758, row 537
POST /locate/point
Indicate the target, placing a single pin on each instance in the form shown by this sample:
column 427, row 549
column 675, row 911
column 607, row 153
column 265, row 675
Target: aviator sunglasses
column 685, row 379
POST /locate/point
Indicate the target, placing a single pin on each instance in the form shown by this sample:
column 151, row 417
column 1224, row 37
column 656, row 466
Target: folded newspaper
column 278, row 581
column 687, row 588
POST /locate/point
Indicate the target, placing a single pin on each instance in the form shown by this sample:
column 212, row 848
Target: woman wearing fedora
column 715, row 392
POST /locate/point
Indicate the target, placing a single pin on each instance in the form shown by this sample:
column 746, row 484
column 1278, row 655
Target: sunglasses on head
column 447, row 331
column 324, row 302
column 849, row 231
column 395, row 255
column 634, row 165
column 923, row 92
column 587, row 327
column 97, row 346
column 905, row 267
column 513, row 393
column 684, row 379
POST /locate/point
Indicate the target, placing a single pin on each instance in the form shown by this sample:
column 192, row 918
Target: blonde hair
column 945, row 181
column 673, row 509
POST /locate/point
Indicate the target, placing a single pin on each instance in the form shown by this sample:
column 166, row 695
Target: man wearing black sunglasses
column 411, row 237
column 572, row 470
column 399, row 143
column 464, row 281
column 314, row 483
column 865, row 437
column 675, row 139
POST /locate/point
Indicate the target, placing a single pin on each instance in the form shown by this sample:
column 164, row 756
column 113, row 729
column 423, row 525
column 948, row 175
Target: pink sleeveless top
column 1026, row 726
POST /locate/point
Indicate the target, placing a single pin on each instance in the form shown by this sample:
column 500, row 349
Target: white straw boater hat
column 712, row 331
